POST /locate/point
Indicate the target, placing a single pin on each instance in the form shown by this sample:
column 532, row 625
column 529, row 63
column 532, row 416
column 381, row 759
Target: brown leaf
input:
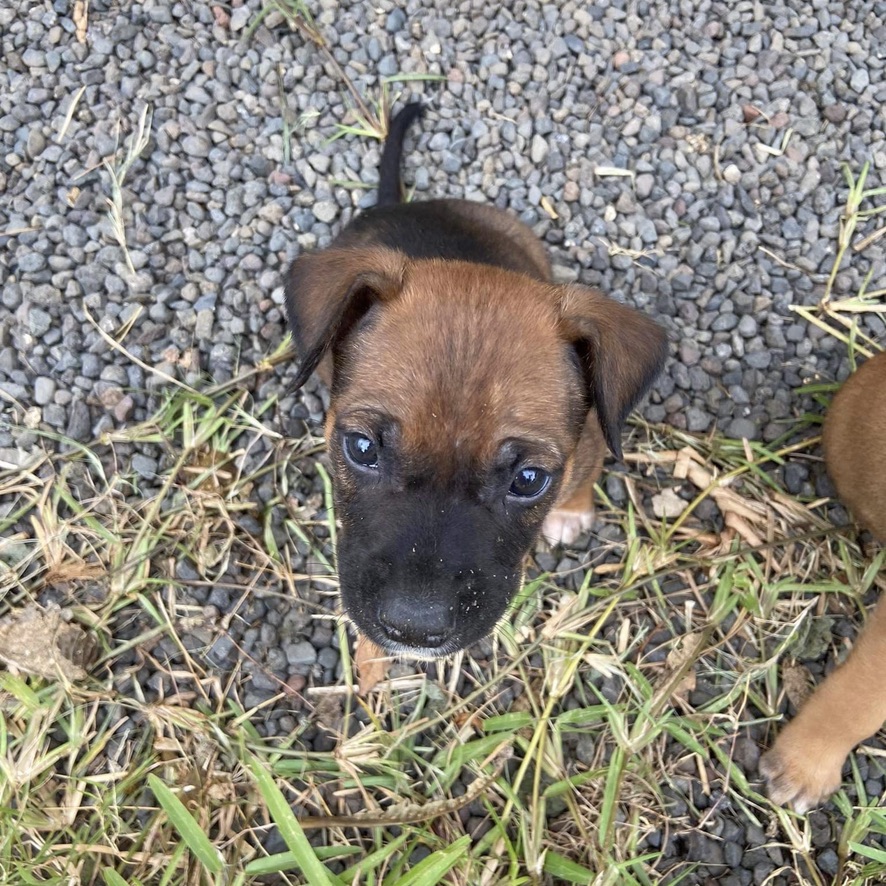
column 680, row 695
column 686, row 649
column 797, row 681
column 372, row 664
column 40, row 642
column 683, row 655
column 329, row 714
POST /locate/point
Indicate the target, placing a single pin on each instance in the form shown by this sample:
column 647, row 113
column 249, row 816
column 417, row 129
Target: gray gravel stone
column 395, row 21
column 697, row 420
column 240, row 17
column 326, row 211
column 44, row 388
column 79, row 422
column 539, row 150
column 742, row 428
column 705, row 850
column 196, row 146
column 301, row 653
column 39, row 322
column 860, row 79
column 145, row 466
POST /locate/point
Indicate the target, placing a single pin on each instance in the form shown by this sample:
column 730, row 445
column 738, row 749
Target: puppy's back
column 854, row 439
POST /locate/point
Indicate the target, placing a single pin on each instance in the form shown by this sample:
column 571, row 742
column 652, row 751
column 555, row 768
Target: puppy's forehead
column 464, row 357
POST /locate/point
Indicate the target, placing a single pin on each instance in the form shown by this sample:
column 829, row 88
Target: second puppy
column 805, row 765
column 472, row 400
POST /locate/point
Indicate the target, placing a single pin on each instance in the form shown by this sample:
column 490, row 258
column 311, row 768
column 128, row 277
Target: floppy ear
column 328, row 292
column 621, row 352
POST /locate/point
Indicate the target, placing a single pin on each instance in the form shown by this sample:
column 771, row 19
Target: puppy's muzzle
column 424, row 576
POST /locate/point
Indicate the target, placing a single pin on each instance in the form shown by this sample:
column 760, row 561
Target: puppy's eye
column 361, row 450
column 530, row 482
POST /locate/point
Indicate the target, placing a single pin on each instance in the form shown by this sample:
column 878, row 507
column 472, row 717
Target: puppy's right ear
column 328, row 292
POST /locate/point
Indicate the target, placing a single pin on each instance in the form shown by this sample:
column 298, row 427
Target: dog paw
column 801, row 774
column 562, row 527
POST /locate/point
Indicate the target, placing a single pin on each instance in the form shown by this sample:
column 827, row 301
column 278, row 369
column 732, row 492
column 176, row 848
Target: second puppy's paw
column 802, row 771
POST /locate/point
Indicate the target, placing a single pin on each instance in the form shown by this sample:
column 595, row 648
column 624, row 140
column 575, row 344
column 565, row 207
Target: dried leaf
column 682, row 656
column 667, row 504
column 767, row 151
column 372, row 665
column 548, row 207
column 797, row 681
column 680, row 695
column 687, row 460
column 40, row 642
column 815, row 639
column 742, row 527
column 686, row 649
column 80, row 15
column 328, row 713
column 613, row 171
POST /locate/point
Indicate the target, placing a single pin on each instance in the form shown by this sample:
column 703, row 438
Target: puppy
column 471, row 403
column 804, row 767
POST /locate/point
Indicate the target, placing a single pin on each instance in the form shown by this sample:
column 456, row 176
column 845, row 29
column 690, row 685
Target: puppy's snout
column 419, row 624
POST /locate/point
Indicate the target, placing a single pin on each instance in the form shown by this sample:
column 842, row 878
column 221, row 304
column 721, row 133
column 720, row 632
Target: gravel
column 709, row 231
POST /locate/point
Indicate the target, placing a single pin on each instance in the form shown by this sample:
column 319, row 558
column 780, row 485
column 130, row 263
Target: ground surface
column 686, row 158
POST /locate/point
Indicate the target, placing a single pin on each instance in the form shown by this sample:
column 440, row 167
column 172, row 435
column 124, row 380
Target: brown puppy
column 471, row 402
column 805, row 765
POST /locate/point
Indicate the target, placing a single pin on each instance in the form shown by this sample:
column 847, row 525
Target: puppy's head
column 459, row 393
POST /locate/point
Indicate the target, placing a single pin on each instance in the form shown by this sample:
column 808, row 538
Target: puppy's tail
column 389, row 168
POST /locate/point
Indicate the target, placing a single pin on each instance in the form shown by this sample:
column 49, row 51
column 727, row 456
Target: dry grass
column 106, row 776
column 613, row 716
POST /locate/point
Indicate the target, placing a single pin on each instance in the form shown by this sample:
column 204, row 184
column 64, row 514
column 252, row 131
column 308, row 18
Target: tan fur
column 466, row 400
column 805, row 765
column 511, row 381
column 855, row 445
column 325, row 278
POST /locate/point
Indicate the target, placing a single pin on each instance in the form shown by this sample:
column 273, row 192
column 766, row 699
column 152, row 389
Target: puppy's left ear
column 621, row 352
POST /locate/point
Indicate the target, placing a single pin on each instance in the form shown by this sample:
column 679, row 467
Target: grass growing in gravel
column 839, row 316
column 614, row 715
column 106, row 781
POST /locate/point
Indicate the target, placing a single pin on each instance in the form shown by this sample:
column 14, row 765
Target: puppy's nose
column 427, row 625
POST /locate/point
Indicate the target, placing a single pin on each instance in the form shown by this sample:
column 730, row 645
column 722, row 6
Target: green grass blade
column 291, row 831
column 187, row 826
column 286, row 861
column 610, row 797
column 564, row 870
column 456, row 758
column 359, row 872
column 871, row 852
column 20, row 690
column 430, row 870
